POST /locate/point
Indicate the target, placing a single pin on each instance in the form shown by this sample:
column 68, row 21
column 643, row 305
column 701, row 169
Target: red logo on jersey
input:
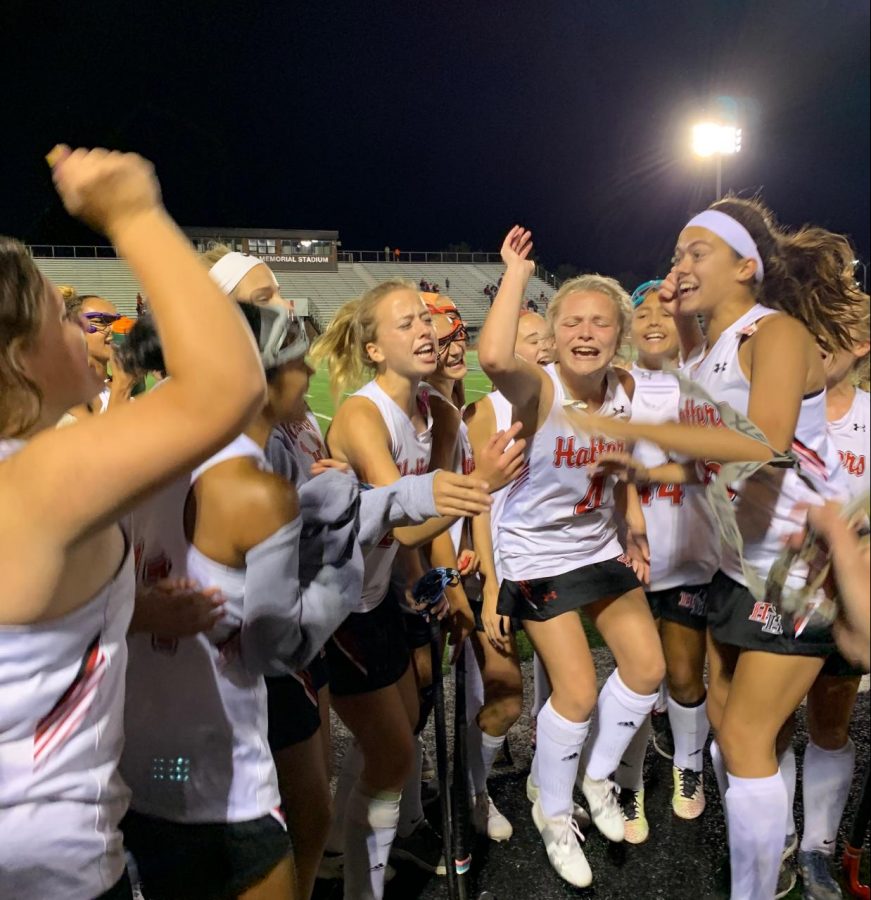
column 855, row 465
column 566, row 454
column 421, row 467
column 693, row 413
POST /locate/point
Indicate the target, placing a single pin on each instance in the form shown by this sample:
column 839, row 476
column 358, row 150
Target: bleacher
column 326, row 291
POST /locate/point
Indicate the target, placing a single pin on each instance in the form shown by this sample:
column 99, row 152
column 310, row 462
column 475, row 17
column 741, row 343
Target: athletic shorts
column 369, row 651
column 735, row 618
column 687, row 606
column 541, row 599
column 122, row 890
column 294, row 716
column 215, row 861
column 415, row 626
column 838, row 667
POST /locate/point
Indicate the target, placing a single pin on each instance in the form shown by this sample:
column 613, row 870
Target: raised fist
column 103, row 188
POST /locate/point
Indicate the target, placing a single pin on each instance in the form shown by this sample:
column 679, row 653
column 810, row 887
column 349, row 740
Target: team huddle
column 194, row 577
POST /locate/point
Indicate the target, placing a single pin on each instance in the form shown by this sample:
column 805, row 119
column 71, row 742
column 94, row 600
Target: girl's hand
column 105, row 189
column 516, row 249
column 460, row 495
column 468, row 562
column 322, row 465
column 625, row 466
column 496, row 627
column 638, row 551
column 177, row 608
column 498, row 464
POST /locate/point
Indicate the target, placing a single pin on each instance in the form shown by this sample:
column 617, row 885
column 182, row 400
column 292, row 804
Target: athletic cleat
column 562, row 840
column 688, row 799
column 579, row 814
column 604, row 807
column 816, row 876
column 427, row 770
column 332, row 868
column 635, row 826
column 487, row 819
column 663, row 742
column 786, row 878
column 422, row 848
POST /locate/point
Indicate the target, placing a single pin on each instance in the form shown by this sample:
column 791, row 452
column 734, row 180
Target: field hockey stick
column 460, row 784
column 428, row 592
column 853, row 851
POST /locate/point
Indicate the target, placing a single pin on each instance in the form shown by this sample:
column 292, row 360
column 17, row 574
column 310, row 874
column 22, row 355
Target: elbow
column 494, row 361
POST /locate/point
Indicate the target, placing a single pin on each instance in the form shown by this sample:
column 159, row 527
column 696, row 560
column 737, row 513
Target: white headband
column 733, row 233
column 231, row 268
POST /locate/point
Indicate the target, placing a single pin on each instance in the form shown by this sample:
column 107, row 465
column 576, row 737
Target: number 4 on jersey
column 673, row 492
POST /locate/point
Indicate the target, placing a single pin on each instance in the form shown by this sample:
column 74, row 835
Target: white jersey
column 683, row 537
column 61, row 733
column 196, row 718
column 851, row 436
column 556, row 517
column 463, row 462
column 766, row 504
column 411, row 453
column 294, row 447
column 503, row 413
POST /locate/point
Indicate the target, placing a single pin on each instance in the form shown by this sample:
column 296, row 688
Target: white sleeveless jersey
column 196, row 718
column 851, row 436
column 556, row 517
column 463, row 462
column 503, row 413
column 411, row 453
column 766, row 504
column 294, row 447
column 683, row 537
column 61, row 733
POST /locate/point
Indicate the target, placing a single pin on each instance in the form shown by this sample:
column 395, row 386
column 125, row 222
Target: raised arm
column 519, row 381
column 216, row 385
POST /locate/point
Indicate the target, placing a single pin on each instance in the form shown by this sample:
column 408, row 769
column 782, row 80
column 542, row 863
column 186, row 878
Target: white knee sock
column 352, row 765
column 630, row 772
column 826, row 780
column 722, row 776
column 787, row 772
column 689, row 728
column 474, row 684
column 661, row 705
column 411, row 806
column 482, row 750
column 621, row 713
column 756, row 813
column 541, row 685
column 370, row 827
column 558, row 749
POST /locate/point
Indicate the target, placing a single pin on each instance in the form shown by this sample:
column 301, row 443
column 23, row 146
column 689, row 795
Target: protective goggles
column 98, row 321
column 282, row 336
column 643, row 290
column 457, row 334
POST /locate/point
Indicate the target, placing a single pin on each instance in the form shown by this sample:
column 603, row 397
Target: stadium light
column 857, row 263
column 717, row 140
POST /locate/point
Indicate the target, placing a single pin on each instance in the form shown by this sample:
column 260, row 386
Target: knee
column 502, row 708
column 576, row 702
column 390, row 768
column 685, row 684
column 644, row 674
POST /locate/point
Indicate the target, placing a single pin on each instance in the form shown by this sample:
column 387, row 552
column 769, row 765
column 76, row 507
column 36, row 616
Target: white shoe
column 562, row 840
column 488, row 820
column 579, row 814
column 605, row 807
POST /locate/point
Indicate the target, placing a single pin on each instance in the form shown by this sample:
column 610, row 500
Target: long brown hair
column 22, row 307
column 808, row 273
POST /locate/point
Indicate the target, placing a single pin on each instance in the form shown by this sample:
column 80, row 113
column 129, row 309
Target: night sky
column 421, row 125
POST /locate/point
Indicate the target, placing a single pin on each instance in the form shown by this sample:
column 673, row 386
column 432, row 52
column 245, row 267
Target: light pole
column 717, row 140
column 857, row 263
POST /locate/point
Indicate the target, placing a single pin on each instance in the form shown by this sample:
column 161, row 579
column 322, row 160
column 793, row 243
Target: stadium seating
column 326, row 291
